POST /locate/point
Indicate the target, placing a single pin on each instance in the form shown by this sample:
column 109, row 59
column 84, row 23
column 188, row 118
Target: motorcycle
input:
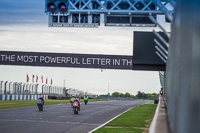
column 76, row 106
column 85, row 101
column 40, row 105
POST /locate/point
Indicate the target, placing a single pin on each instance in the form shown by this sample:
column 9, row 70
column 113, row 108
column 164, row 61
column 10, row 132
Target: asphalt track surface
column 61, row 119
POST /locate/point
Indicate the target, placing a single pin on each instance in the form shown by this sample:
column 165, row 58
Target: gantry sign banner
column 65, row 60
column 144, row 52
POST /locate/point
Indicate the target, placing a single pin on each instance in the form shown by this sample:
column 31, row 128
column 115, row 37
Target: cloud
column 66, row 40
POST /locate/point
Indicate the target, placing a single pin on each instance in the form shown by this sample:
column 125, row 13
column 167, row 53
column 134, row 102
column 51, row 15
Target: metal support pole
column 161, row 52
column 20, row 88
column 53, row 90
column 27, row 88
column 42, row 89
column 89, row 18
column 9, row 87
column 36, row 89
column 161, row 57
column 50, row 20
column 16, row 88
column 49, row 90
column 45, row 90
column 70, row 19
column 59, row 18
column 79, row 18
column 32, row 89
column 24, row 87
column 102, row 20
column 1, row 87
column 154, row 21
column 29, row 91
column 166, row 52
column 108, row 90
column 5, row 88
column 161, row 38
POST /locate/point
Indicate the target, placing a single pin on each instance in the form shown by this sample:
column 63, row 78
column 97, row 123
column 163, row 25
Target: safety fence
column 80, row 93
column 7, row 88
column 19, row 88
column 53, row 90
column 115, row 98
column 22, row 97
column 28, row 91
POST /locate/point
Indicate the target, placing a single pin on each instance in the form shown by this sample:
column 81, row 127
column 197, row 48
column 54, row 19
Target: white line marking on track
column 153, row 123
column 110, row 120
column 37, row 121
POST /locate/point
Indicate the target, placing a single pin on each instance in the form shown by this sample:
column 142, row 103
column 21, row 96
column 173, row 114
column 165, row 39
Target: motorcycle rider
column 42, row 99
column 40, row 103
column 79, row 103
column 85, row 98
column 72, row 99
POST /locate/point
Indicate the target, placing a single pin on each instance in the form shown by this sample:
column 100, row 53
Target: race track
column 61, row 119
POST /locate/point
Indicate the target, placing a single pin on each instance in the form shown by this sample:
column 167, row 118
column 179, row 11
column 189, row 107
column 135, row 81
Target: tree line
column 139, row 94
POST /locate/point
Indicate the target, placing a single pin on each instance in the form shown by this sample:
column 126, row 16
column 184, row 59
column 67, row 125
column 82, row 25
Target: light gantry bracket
column 161, row 43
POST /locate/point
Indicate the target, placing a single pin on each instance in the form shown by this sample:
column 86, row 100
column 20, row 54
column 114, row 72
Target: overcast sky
column 24, row 27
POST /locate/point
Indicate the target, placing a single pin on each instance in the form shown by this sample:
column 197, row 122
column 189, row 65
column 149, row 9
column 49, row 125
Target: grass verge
column 135, row 120
column 27, row 103
column 119, row 130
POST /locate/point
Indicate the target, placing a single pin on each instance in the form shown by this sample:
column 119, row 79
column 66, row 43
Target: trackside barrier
column 22, row 97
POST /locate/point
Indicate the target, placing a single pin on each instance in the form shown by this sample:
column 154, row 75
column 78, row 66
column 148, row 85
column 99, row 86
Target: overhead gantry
column 94, row 13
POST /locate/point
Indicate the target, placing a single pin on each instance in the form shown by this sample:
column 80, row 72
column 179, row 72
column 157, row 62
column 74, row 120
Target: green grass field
column 119, row 130
column 28, row 103
column 138, row 117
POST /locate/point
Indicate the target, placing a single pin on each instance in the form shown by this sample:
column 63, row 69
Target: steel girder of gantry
column 113, row 6
column 100, row 9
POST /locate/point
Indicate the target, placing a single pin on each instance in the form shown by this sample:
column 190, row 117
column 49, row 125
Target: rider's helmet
column 77, row 98
column 41, row 98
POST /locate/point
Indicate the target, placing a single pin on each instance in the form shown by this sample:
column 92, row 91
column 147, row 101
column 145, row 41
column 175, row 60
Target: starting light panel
column 94, row 13
column 56, row 6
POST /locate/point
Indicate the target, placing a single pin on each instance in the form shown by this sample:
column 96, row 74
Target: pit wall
column 182, row 76
column 22, row 97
